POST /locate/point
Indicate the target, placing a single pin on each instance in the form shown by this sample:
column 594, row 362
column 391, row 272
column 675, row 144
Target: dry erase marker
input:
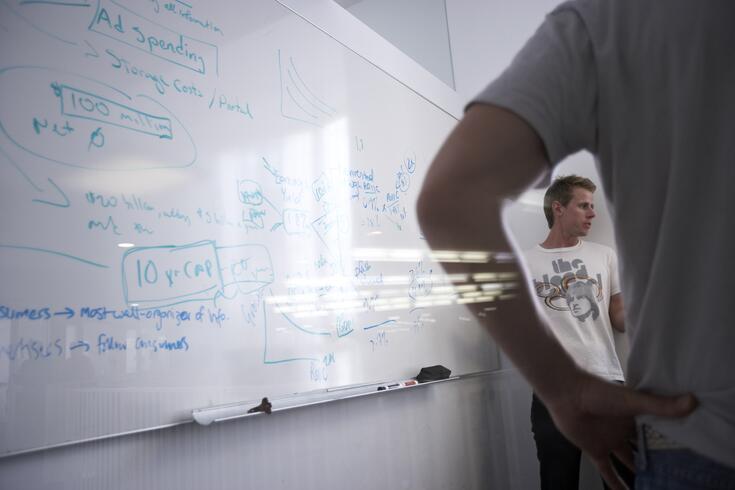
column 400, row 384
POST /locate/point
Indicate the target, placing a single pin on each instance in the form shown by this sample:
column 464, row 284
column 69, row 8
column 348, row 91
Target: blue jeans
column 680, row 469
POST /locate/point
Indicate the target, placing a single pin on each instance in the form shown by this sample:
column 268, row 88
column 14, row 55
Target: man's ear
column 557, row 208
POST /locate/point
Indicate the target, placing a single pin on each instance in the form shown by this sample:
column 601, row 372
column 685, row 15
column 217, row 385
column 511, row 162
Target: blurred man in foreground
column 648, row 87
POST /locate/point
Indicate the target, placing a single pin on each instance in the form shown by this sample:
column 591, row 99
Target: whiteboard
column 205, row 203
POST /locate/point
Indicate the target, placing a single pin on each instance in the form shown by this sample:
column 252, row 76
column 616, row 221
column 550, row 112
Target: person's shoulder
column 534, row 254
column 579, row 7
column 598, row 247
column 582, row 5
column 589, row 12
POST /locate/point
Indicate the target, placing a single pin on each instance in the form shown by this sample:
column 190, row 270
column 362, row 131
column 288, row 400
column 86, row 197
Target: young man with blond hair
column 577, row 290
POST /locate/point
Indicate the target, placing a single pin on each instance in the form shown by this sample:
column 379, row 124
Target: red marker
column 400, row 384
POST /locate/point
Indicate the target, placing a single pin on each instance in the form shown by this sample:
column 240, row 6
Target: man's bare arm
column 492, row 154
column 617, row 316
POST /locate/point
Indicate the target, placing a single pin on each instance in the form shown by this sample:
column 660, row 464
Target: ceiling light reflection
column 416, row 255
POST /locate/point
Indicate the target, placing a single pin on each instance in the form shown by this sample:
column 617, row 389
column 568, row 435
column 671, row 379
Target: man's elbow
column 428, row 206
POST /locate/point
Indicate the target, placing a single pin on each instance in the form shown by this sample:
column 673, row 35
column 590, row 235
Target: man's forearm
column 459, row 209
column 617, row 312
column 514, row 323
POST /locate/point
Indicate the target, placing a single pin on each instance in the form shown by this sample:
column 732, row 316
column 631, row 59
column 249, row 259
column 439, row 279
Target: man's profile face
column 576, row 217
column 579, row 305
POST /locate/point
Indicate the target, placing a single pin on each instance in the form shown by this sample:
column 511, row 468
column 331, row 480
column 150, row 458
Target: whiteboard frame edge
column 322, row 401
column 339, row 24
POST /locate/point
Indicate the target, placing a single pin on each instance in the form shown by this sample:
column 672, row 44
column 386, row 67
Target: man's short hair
column 561, row 190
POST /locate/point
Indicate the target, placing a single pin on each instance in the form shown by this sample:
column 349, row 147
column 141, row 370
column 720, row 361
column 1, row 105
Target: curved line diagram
column 299, row 327
column 294, row 88
column 293, row 99
column 292, row 359
column 331, row 110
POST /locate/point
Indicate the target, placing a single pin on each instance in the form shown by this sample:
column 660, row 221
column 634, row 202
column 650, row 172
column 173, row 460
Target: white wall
column 486, row 34
column 446, row 436
column 417, row 27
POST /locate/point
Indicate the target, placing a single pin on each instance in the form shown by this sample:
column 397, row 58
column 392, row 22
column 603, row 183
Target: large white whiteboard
column 266, row 176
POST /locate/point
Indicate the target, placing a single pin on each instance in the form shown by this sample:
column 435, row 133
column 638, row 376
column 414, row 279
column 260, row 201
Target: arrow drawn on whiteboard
column 93, row 54
column 298, row 101
column 67, row 311
column 80, row 344
column 63, row 204
column 278, row 212
column 398, row 225
column 55, row 197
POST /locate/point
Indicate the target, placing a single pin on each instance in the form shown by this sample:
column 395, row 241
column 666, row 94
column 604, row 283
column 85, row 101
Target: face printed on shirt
column 571, row 289
column 581, row 300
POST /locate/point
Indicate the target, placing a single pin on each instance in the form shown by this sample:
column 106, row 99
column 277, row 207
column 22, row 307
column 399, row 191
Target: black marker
column 400, row 384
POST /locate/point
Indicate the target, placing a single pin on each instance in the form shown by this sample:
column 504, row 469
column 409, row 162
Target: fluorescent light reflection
column 416, row 255
column 346, row 294
column 394, row 299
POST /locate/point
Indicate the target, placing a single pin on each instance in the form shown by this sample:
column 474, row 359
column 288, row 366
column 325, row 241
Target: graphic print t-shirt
column 573, row 286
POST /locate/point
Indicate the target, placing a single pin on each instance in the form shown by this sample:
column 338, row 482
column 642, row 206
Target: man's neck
column 558, row 239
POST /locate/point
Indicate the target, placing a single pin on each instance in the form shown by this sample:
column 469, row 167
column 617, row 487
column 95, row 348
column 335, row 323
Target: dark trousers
column 558, row 458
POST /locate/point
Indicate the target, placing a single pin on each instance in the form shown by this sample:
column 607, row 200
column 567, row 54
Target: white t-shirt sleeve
column 552, row 85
